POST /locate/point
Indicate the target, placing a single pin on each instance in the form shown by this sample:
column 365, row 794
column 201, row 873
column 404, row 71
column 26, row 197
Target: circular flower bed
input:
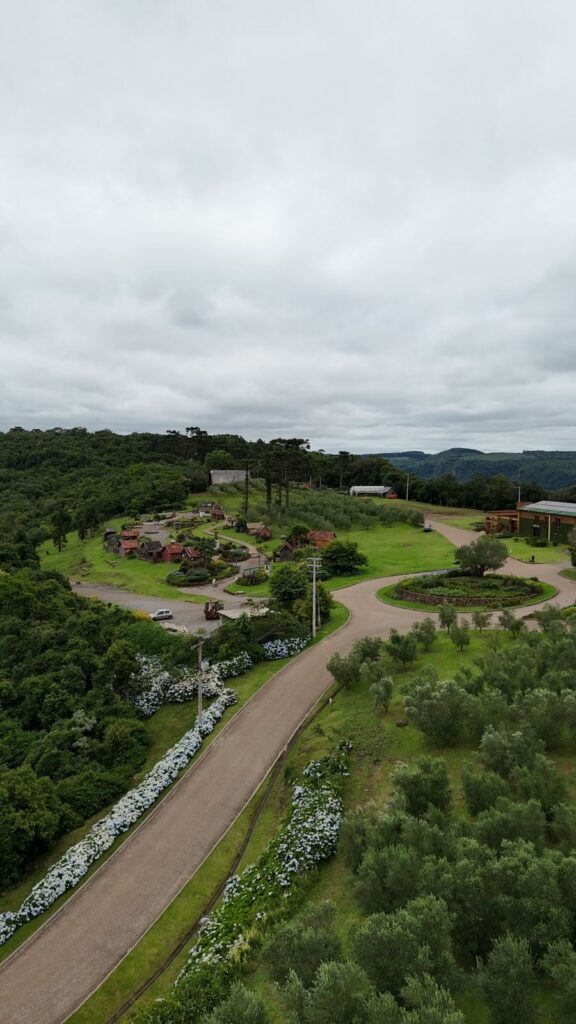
column 469, row 591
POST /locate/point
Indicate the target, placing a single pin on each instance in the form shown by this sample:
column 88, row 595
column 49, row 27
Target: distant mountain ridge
column 553, row 470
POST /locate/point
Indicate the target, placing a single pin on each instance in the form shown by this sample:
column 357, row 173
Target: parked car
column 426, row 527
column 161, row 613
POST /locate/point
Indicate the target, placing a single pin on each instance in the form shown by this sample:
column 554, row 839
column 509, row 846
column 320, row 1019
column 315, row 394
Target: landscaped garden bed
column 470, row 591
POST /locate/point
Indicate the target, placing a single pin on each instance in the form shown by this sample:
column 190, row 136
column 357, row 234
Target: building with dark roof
column 550, row 521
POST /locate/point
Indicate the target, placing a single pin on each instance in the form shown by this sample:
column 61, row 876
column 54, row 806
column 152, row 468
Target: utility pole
column 407, row 486
column 246, row 488
column 314, row 564
column 199, row 649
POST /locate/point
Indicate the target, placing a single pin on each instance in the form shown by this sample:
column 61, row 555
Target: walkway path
column 51, row 974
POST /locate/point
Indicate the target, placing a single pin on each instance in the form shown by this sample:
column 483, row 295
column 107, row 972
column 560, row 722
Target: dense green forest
column 70, row 739
column 57, row 480
column 554, row 471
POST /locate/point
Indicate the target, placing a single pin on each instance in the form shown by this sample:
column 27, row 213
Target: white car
column 160, row 614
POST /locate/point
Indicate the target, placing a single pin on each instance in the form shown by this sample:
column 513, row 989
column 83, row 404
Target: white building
column 228, row 476
column 374, row 491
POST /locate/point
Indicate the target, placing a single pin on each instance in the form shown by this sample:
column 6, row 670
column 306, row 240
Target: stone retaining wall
column 407, row 594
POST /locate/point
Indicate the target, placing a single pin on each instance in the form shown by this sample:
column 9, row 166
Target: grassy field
column 88, row 562
column 390, row 550
column 386, row 595
column 446, row 510
column 570, row 574
column 165, row 727
column 517, row 546
column 465, row 522
column 378, row 746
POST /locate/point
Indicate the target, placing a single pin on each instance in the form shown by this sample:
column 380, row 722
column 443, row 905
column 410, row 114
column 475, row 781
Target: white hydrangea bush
column 275, row 649
column 76, row 862
column 308, row 838
column 154, row 685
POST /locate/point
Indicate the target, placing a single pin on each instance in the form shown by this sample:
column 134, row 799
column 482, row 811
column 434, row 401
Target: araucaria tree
column 485, row 553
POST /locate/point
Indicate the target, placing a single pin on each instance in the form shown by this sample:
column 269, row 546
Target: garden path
column 68, row 957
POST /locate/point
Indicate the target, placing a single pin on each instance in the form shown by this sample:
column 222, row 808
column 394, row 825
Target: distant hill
column 552, row 470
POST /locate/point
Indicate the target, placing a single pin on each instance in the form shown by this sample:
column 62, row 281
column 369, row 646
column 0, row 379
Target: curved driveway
column 51, row 974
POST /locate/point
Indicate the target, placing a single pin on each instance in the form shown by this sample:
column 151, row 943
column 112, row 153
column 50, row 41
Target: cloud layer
column 354, row 223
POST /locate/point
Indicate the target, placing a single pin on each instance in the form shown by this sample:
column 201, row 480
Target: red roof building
column 172, row 552
column 128, row 547
column 321, row 538
column 192, row 553
column 130, row 534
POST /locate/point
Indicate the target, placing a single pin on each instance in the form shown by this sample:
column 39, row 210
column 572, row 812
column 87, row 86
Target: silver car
column 160, row 614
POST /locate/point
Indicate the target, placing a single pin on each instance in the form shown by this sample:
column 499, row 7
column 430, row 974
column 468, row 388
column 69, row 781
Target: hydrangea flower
column 76, row 862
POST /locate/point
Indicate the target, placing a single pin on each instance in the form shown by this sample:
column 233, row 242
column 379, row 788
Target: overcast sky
column 352, row 222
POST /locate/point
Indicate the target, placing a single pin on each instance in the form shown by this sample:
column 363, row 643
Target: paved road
column 66, row 959
column 185, row 612
column 548, row 573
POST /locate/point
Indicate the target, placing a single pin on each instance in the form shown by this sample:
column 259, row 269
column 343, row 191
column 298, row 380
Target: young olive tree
column 483, row 554
column 446, row 615
column 481, row 619
column 425, row 633
column 460, row 636
column 507, row 620
column 403, row 648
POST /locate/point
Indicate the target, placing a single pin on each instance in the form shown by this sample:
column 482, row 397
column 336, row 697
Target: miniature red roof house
column 172, row 552
column 128, row 547
column 192, row 554
column 321, row 538
column 130, row 534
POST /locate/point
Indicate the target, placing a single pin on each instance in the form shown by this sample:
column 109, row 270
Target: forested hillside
column 70, row 738
column 55, row 481
column 554, row 471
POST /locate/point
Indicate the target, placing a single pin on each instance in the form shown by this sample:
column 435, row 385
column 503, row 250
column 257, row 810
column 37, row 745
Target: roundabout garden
column 468, row 588
column 466, row 592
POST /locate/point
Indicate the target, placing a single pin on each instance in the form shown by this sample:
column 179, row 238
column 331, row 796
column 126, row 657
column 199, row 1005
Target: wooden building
column 321, row 538
column 172, row 552
column 550, row 521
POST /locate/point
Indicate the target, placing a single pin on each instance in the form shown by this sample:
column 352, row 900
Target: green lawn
column 395, row 550
column 88, row 562
column 518, row 548
column 570, row 574
column 426, row 506
column 390, row 550
column 465, row 522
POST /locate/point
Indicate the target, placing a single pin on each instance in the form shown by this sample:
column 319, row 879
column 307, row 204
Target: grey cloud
column 355, row 225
